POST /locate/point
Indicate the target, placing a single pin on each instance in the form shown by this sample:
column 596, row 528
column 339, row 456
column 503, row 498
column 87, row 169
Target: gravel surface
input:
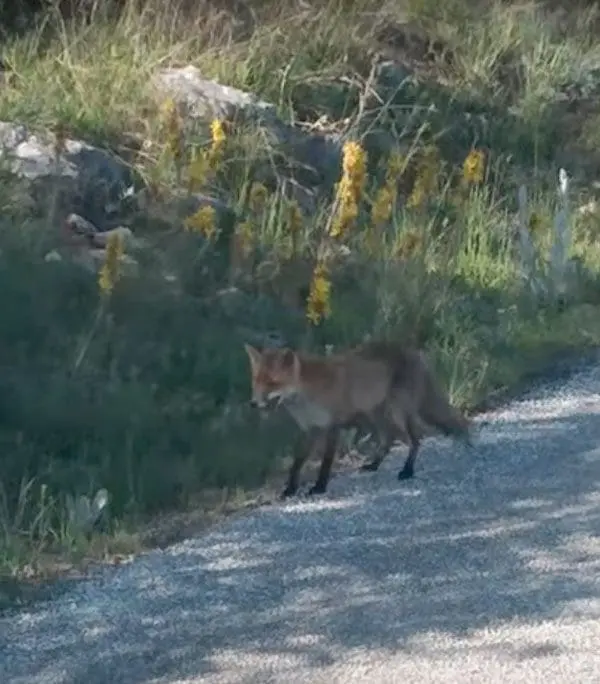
column 484, row 568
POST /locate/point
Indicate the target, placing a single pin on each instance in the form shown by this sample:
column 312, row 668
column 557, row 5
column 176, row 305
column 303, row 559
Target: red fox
column 380, row 385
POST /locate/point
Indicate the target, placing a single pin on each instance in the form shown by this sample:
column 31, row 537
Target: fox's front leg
column 302, row 450
column 330, row 439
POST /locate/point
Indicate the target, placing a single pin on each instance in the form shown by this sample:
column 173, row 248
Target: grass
column 140, row 387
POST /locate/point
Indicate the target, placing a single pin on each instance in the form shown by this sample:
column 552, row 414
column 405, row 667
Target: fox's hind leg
column 385, row 441
column 390, row 426
column 408, row 469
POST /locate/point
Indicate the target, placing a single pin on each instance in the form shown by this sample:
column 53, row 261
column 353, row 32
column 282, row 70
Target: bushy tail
column 438, row 412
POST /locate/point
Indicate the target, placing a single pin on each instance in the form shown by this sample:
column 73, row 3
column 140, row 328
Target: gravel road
column 484, row 568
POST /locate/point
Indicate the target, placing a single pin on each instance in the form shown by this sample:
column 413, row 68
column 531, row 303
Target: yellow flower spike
column 294, row 216
column 168, row 108
column 347, row 213
column 218, row 138
column 198, row 171
column 407, row 245
column 417, row 196
column 318, row 304
column 109, row 273
column 257, row 197
column 535, row 222
column 174, row 128
column 473, row 167
column 355, row 167
column 381, row 210
column 426, row 179
column 245, row 237
column 396, row 166
column 217, row 132
column 203, row 222
column 350, row 187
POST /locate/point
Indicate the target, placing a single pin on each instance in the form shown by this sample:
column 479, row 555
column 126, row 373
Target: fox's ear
column 253, row 354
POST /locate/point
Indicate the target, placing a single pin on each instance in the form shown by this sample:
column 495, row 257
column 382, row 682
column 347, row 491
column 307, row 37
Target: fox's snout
column 258, row 403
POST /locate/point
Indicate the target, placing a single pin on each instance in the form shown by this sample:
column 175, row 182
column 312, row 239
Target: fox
column 382, row 387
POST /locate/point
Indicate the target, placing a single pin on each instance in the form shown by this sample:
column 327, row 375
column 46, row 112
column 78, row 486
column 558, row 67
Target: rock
column 310, row 158
column 206, row 99
column 81, row 231
column 80, row 226
column 172, row 210
column 129, row 240
column 83, row 177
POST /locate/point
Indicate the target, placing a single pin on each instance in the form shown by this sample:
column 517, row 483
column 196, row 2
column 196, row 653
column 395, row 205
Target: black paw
column 317, row 489
column 370, row 467
column 405, row 474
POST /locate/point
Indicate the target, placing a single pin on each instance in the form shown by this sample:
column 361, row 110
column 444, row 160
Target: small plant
column 560, row 267
column 83, row 514
column 546, row 280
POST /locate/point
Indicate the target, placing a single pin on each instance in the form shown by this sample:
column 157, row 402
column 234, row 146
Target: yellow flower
column 346, row 214
column 217, row 132
column 294, row 216
column 427, row 170
column 396, row 166
column 381, row 210
column 245, row 237
column 350, row 187
column 535, row 222
column 385, row 199
column 109, row 273
column 407, row 244
column 168, row 109
column 174, row 128
column 318, row 304
column 218, row 140
column 203, row 222
column 473, row 167
column 354, row 166
column 198, row 171
column 257, row 197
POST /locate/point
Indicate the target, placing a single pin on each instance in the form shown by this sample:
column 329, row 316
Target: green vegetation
column 140, row 387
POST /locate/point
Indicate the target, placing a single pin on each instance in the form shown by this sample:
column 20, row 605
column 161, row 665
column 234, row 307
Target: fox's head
column 275, row 374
